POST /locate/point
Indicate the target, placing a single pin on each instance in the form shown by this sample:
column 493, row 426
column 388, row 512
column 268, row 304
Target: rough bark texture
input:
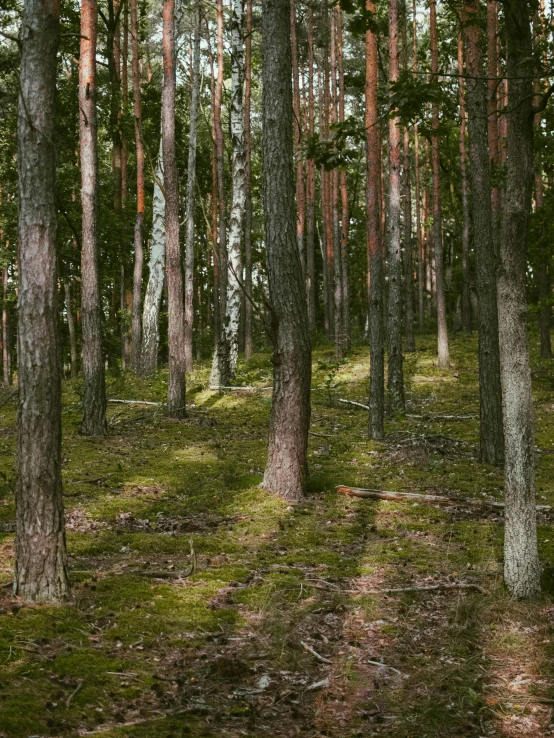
column 334, row 197
column 345, row 270
column 175, row 308
column 286, row 469
column 224, row 365
column 310, row 185
column 466, row 301
column 94, row 392
column 222, row 203
column 71, row 329
column 419, row 232
column 394, row 305
column 40, row 567
column 154, row 288
column 374, row 242
column 521, row 563
column 490, row 391
column 191, row 186
column 300, row 194
column 493, row 72
column 136, row 325
column 442, row 338
column 248, row 312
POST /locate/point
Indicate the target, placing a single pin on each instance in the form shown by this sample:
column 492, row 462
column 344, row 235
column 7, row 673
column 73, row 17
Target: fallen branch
column 9, row 397
column 356, row 404
column 135, row 402
column 194, row 710
column 320, row 435
column 384, row 666
column 427, row 499
column 75, row 692
column 422, row 588
column 384, row 495
column 217, row 387
column 318, row 656
column 434, row 416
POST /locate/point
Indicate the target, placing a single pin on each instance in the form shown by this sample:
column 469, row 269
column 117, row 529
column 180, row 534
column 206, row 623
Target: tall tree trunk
column 71, row 329
column 6, row 338
column 442, row 338
column 493, row 72
column 345, row 271
column 224, row 364
column 394, row 308
column 408, row 240
column 466, row 301
column 40, row 555
column 125, row 101
column 521, row 562
column 191, row 186
column 334, row 185
column 310, row 185
column 248, row 312
column 286, row 470
column 374, row 242
column 176, row 318
column 419, row 231
column 490, row 391
column 94, row 394
column 300, row 199
column 214, row 202
column 136, row 327
column 218, row 129
column 154, row 288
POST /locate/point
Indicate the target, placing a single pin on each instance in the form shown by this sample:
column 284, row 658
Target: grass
column 219, row 653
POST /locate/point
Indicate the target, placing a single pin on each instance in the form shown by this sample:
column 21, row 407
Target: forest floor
column 144, row 652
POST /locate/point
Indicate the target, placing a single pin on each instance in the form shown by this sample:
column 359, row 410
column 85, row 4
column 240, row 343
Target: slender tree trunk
column 466, row 301
column 334, row 185
column 214, row 203
column 286, row 470
column 490, row 392
column 191, row 186
column 248, row 312
column 310, row 185
column 345, row 271
column 443, row 352
column 408, row 240
column 300, row 199
column 94, row 395
column 218, row 129
column 224, row 364
column 419, row 232
column 40, row 555
column 154, row 288
column 492, row 115
column 374, row 242
column 521, row 563
column 125, row 100
column 175, row 308
column 71, row 329
column 136, row 327
column 6, row 338
column 394, row 311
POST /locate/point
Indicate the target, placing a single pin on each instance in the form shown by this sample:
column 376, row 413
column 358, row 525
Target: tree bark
column 443, row 352
column 248, row 312
column 191, row 187
column 490, row 391
column 218, row 130
column 493, row 72
column 94, row 394
column 466, row 301
column 310, row 185
column 334, row 197
column 156, row 266
column 136, row 326
column 224, row 364
column 374, row 242
column 345, row 218
column 286, row 470
column 71, row 329
column 419, row 231
column 214, row 202
column 394, row 306
column 521, row 563
column 176, row 320
column 300, row 198
column 40, row 555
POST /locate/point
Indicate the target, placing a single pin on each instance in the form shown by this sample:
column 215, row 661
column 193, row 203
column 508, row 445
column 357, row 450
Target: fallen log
column 135, row 402
column 395, row 496
column 356, row 404
column 220, row 387
column 424, row 588
column 378, row 494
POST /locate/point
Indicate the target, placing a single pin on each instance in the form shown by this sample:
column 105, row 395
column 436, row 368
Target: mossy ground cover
column 148, row 649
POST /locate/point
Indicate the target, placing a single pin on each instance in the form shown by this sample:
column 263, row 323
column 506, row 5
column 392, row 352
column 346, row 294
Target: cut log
column 135, row 402
column 356, row 404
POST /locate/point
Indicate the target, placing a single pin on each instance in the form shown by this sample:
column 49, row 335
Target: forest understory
column 203, row 606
